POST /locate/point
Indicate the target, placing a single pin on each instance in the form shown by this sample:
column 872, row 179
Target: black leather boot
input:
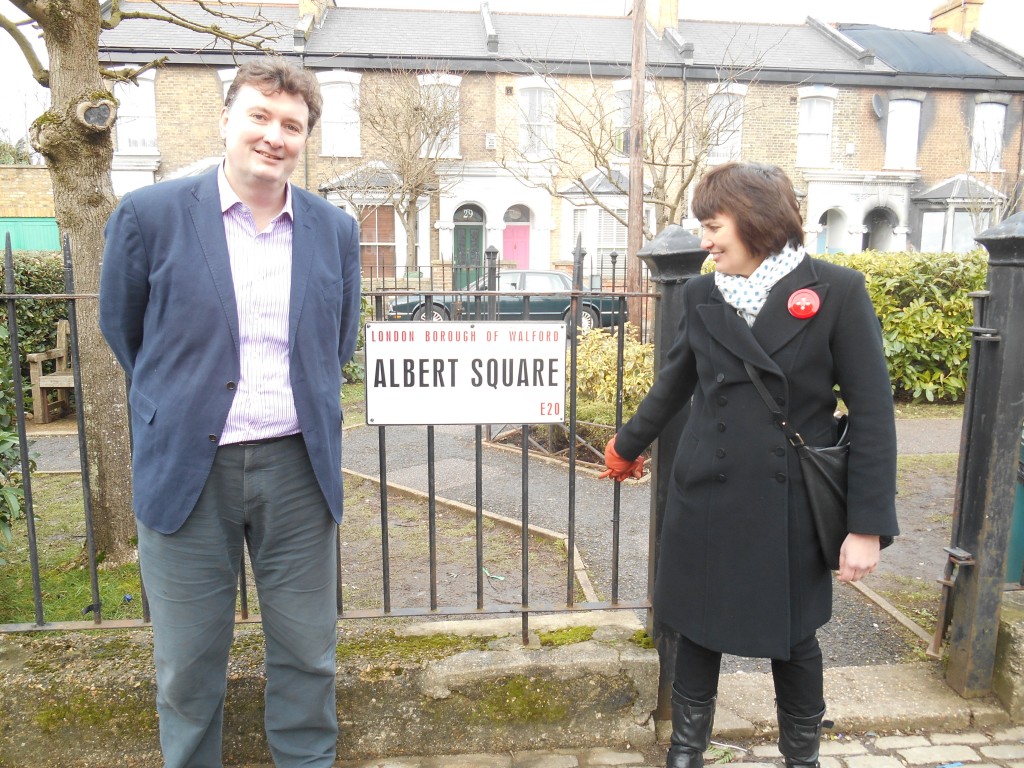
column 691, row 731
column 799, row 739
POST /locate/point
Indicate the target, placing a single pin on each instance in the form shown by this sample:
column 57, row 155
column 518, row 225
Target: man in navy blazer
column 232, row 302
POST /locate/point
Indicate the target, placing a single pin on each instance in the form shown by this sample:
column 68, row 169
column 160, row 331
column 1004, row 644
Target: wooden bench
column 61, row 380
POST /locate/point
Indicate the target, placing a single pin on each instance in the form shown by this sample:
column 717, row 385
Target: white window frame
column 902, row 133
column 339, row 120
column 598, row 226
column 622, row 94
column 987, row 136
column 725, row 106
column 136, row 114
column 227, row 77
column 814, row 134
column 536, row 97
column 442, row 81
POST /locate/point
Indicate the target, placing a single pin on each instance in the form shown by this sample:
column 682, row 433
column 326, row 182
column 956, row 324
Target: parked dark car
column 598, row 310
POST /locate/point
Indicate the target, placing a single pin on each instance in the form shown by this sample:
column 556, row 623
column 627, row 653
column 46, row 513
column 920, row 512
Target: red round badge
column 804, row 304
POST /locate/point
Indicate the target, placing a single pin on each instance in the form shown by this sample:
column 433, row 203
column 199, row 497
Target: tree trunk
column 75, row 138
column 635, row 211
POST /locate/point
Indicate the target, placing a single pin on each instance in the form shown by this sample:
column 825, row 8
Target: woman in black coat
column 740, row 570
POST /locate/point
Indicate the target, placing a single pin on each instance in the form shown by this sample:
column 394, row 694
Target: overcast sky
column 1000, row 19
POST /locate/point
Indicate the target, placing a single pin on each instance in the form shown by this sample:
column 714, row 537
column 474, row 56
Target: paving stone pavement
column 1001, row 747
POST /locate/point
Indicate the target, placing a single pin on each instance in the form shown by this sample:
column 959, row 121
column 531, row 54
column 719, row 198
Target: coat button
column 778, row 450
column 231, row 385
column 720, row 478
column 780, row 477
column 720, row 378
column 721, row 426
column 722, row 400
column 720, row 453
column 213, row 438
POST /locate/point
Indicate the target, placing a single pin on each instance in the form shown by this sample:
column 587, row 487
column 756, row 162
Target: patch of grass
column 641, row 638
column 388, row 648
column 931, row 463
column 64, row 575
column 925, row 410
column 917, row 600
column 521, row 699
column 353, row 403
column 567, row 636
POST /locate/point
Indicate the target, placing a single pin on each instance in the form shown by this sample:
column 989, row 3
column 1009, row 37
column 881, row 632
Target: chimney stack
column 314, row 8
column 957, row 17
column 662, row 14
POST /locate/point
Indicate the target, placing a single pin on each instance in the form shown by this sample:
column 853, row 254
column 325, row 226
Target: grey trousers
column 265, row 496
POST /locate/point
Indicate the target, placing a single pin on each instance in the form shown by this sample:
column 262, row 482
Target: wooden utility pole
column 635, row 208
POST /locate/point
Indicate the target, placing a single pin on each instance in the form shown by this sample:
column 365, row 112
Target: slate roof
column 770, row 46
column 151, row 37
column 918, row 52
column 361, row 38
column 959, row 187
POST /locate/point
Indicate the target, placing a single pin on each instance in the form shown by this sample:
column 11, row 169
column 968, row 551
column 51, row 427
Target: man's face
column 263, row 136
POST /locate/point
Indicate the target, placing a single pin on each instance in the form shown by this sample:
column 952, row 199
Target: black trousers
column 799, row 686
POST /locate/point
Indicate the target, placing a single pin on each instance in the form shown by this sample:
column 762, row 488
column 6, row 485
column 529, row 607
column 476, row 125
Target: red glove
column 620, row 469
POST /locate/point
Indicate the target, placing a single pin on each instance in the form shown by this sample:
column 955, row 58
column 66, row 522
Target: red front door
column 517, row 245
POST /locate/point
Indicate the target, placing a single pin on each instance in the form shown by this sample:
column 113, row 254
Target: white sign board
column 465, row 373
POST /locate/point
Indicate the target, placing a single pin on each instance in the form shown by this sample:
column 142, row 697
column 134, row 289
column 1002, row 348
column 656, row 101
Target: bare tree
column 583, row 126
column 74, row 136
column 412, row 122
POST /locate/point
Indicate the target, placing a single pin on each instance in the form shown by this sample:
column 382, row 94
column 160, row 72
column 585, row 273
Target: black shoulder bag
column 825, row 475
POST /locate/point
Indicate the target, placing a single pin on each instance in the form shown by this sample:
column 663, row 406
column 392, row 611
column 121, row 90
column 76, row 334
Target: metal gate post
column 988, row 473
column 673, row 257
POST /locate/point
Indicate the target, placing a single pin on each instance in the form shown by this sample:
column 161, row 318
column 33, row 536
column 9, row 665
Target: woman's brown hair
column 761, row 200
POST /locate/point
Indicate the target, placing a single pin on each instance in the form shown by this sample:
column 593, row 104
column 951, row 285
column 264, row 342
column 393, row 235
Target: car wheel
column 589, row 319
column 437, row 314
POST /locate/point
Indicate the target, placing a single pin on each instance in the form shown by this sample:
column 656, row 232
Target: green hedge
column 36, row 272
column 921, row 300
column 923, row 304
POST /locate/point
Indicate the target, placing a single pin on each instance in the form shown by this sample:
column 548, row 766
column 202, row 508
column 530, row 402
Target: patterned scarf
column 748, row 294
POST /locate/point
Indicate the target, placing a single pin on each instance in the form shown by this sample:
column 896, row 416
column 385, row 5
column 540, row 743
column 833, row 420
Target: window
column 339, row 121
column 227, row 76
column 537, row 116
column 987, row 136
column 725, row 117
column 377, row 241
column 901, row 134
column 440, row 115
column 621, row 111
column 136, row 115
column 951, row 230
column 814, row 140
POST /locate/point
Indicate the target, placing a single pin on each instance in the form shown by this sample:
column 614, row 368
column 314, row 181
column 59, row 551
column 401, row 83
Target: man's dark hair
column 761, row 200
column 272, row 74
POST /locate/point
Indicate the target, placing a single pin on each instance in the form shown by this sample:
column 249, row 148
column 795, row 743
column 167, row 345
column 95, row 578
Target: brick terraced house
column 895, row 139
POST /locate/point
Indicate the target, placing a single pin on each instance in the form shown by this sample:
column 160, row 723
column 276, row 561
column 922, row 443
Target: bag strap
column 777, row 415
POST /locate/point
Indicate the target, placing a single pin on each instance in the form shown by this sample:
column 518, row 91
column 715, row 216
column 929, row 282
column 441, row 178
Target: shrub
column 12, row 494
column 36, row 272
column 922, row 302
column 596, row 372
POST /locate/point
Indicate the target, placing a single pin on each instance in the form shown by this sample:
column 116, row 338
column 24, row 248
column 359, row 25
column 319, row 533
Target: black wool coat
column 740, row 570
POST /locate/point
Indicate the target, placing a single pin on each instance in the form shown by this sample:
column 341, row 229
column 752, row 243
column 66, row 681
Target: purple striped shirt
column 261, row 270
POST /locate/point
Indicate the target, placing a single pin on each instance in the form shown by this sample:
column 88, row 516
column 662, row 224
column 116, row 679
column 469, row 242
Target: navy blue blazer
column 168, row 312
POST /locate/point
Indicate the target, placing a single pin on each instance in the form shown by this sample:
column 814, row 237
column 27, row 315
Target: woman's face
column 722, row 240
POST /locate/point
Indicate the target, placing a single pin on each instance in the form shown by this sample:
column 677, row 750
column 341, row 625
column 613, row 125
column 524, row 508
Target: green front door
column 468, row 258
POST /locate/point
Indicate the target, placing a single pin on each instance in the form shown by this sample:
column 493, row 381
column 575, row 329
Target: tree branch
column 39, row 73
column 255, row 38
